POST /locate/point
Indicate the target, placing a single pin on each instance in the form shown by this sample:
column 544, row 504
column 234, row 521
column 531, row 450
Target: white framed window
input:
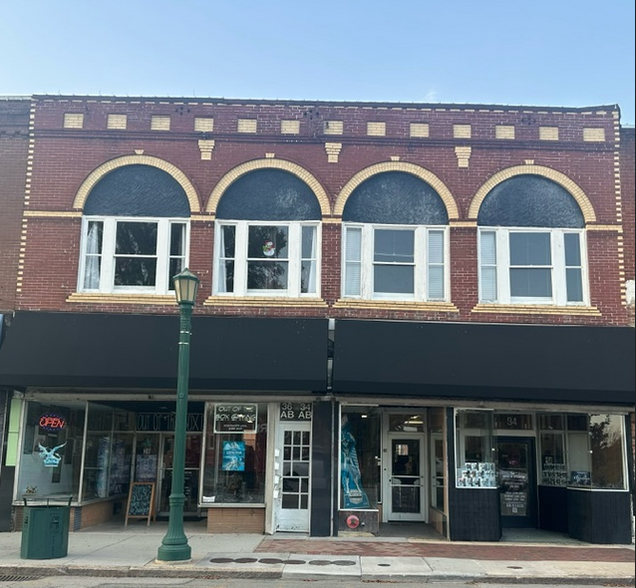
column 532, row 266
column 134, row 255
column 395, row 262
column 271, row 258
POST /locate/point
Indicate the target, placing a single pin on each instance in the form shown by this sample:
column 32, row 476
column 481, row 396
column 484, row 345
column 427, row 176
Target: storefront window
column 552, row 449
column 606, row 444
column 360, row 458
column 51, row 450
column 234, row 466
column 475, row 467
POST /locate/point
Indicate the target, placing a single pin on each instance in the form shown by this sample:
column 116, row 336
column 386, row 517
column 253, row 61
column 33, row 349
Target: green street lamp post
column 174, row 547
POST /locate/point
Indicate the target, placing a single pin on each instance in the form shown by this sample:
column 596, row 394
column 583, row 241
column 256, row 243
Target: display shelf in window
column 477, row 474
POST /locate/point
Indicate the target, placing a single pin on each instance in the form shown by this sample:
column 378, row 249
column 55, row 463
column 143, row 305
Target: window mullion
column 294, row 253
column 503, row 265
column 240, row 264
column 106, row 283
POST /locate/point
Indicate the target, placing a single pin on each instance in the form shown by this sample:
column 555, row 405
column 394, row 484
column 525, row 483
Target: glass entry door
column 517, row 481
column 292, row 476
column 191, row 473
column 406, row 496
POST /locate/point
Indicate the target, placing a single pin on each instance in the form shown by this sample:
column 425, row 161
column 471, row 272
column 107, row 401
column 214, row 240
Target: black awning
column 520, row 362
column 140, row 351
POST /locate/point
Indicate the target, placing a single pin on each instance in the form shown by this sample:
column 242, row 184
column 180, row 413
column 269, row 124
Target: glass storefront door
column 517, row 481
column 406, row 479
column 294, row 474
column 191, row 473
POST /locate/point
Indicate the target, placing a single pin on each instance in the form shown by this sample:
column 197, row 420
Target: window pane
column 436, row 247
column 308, row 261
column 352, row 279
column 489, row 284
column 309, row 242
column 393, row 279
column 393, row 246
column 531, row 283
column 267, row 275
column 436, row 282
column 308, row 277
column 572, row 249
column 177, row 239
column 228, row 240
column 574, row 283
column 267, row 242
column 488, row 248
column 134, row 271
column 135, row 238
column 93, row 261
column 530, row 249
column 353, row 244
column 606, row 444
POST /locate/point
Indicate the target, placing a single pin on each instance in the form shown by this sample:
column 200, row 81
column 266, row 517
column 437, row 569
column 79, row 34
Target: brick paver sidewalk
column 548, row 552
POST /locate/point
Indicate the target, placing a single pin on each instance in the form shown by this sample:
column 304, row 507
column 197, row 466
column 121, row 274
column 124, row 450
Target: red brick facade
column 64, row 158
column 14, row 142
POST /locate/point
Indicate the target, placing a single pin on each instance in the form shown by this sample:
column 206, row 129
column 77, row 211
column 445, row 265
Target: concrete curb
column 165, row 571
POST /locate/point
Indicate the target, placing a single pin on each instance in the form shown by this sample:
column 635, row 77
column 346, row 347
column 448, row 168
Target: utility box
column 45, row 531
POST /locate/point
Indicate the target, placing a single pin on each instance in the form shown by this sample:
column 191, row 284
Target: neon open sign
column 52, row 422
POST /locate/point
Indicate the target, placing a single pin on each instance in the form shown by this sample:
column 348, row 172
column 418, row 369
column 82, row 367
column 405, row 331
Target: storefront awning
column 61, row 350
column 509, row 362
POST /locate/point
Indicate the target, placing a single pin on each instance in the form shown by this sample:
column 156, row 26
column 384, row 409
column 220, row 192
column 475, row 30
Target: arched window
column 267, row 237
column 134, row 232
column 395, row 240
column 531, row 244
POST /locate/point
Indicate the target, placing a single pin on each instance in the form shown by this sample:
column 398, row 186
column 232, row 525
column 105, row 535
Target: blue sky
column 541, row 53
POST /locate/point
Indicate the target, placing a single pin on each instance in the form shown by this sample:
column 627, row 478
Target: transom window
column 272, row 258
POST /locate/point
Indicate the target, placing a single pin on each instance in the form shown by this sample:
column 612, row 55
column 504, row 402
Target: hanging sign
column 235, row 418
column 52, row 422
column 295, row 411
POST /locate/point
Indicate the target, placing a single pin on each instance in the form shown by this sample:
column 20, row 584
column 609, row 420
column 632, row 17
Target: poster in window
column 233, row 456
column 235, row 418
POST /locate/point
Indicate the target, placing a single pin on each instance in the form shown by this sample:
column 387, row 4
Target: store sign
column 235, row 418
column 165, row 421
column 52, row 422
column 292, row 411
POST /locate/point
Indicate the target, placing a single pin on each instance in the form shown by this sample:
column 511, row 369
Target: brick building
column 408, row 313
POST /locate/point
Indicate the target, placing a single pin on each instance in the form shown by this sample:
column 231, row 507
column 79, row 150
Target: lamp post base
column 174, row 554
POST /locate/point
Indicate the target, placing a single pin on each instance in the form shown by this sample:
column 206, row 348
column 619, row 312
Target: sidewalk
column 118, row 551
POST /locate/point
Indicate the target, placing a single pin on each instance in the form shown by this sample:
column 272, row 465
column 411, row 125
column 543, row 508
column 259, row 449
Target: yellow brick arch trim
column 409, row 168
column 300, row 172
column 577, row 193
column 96, row 175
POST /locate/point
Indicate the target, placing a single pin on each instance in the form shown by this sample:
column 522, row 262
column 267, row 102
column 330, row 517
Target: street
column 101, row 582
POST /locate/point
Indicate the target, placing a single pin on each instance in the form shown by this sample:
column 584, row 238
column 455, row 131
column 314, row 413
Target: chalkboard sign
column 141, row 499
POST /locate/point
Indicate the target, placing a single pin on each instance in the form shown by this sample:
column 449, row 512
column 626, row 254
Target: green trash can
column 45, row 530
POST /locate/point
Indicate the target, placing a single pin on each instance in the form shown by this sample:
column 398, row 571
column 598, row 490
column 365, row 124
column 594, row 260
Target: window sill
column 396, row 305
column 537, row 309
column 101, row 298
column 264, row 301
